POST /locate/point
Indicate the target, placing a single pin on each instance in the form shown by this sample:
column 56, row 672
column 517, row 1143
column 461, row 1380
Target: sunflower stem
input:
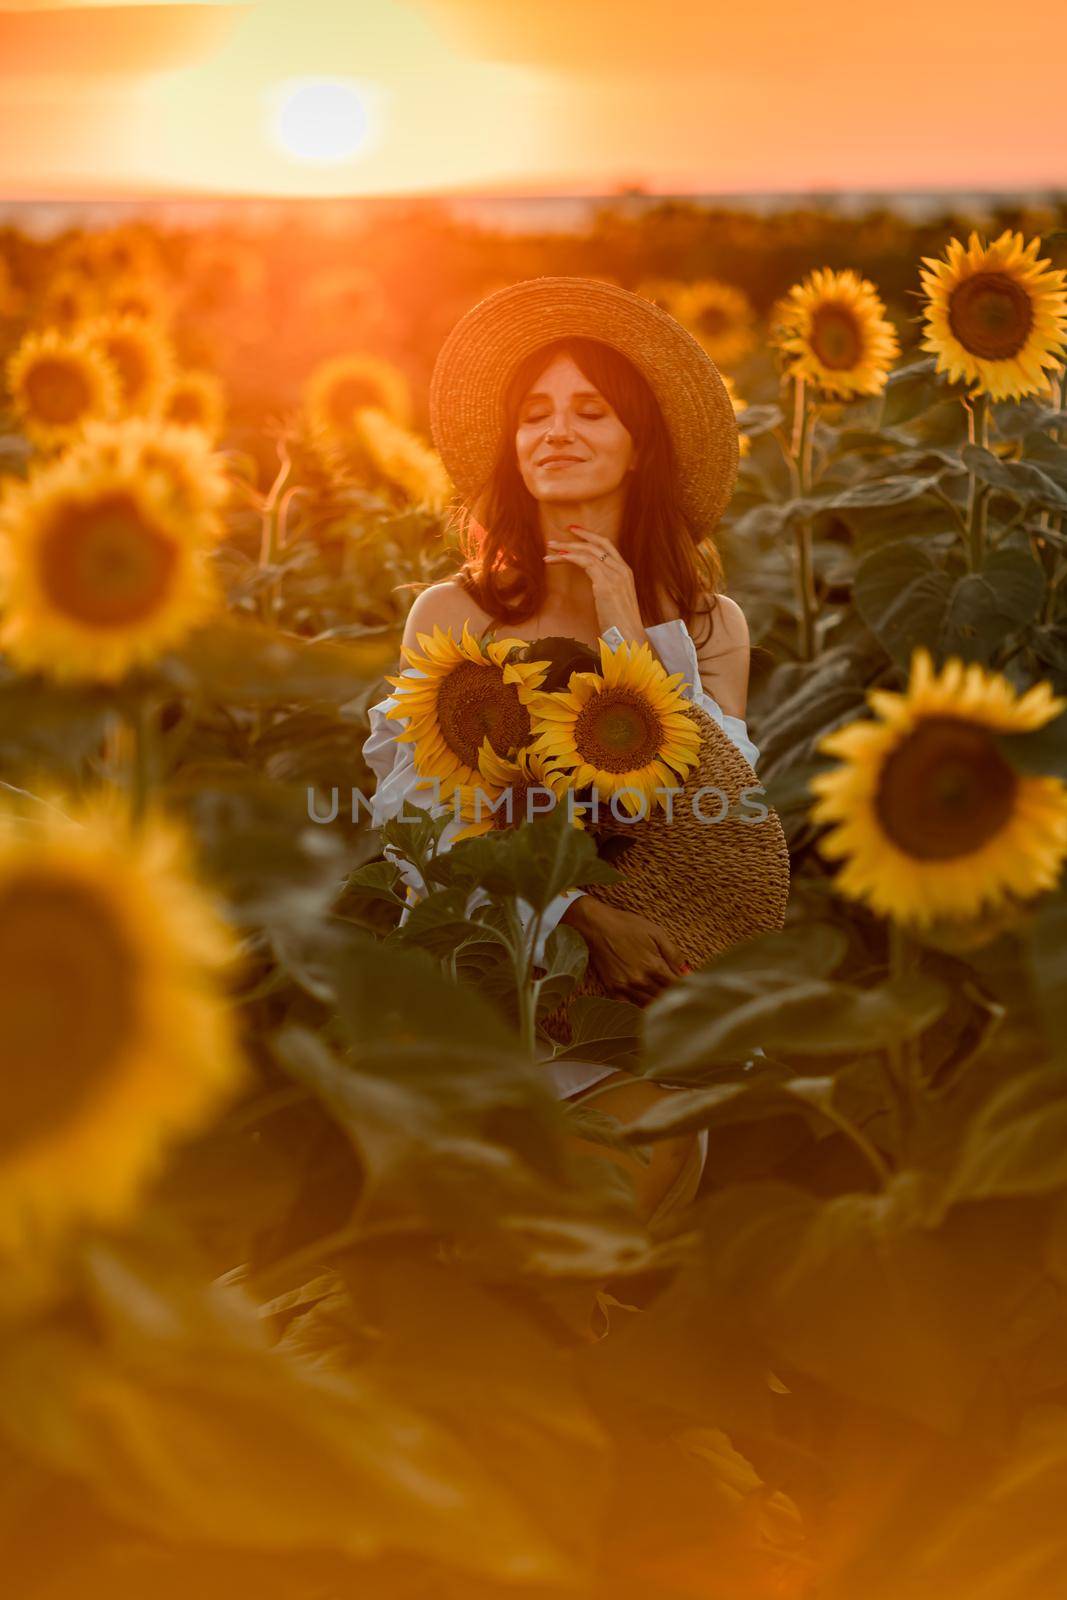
column 802, row 445
column 1048, row 521
column 904, row 1062
column 526, row 990
column 977, row 496
column 142, row 755
column 270, row 593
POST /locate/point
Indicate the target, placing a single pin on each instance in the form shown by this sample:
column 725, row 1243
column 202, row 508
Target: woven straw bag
column 710, row 884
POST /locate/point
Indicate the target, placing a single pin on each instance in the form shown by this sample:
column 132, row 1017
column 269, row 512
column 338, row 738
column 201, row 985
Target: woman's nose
column 558, row 428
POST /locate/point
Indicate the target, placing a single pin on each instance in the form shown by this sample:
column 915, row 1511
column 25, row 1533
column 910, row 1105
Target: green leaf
column 1022, row 479
column 984, row 607
column 460, row 1137
column 758, row 420
column 237, row 660
column 858, row 1293
column 566, row 958
column 903, row 596
column 1017, row 418
column 38, row 719
column 259, row 845
column 767, row 1094
column 602, row 1030
column 909, row 391
column 377, row 880
column 890, row 491
column 1003, row 1538
column 748, row 999
column 1046, row 950
column 438, row 922
column 1017, row 1142
column 166, row 1400
column 534, row 862
column 390, row 993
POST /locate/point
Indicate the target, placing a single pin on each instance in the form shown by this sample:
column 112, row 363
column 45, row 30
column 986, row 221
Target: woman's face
column 570, row 443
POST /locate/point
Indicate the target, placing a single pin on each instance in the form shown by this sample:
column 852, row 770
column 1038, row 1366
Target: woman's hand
column 634, row 957
column 614, row 592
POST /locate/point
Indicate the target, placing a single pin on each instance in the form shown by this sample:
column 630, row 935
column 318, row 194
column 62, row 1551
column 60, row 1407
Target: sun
column 321, row 120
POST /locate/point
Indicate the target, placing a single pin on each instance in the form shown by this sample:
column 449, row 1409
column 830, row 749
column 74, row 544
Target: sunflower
column 57, row 383
column 497, row 776
column 832, row 330
column 195, row 399
column 138, row 297
column 622, row 730
column 401, row 458
column 10, row 296
column 189, row 473
column 996, row 316
column 339, row 387
column 67, row 300
column 114, row 1027
column 116, row 253
column 718, row 315
column 465, row 693
column 744, row 443
column 100, row 570
column 930, row 819
column 141, row 355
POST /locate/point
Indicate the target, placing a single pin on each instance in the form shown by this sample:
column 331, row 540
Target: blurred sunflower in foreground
column 66, row 300
column 115, row 1033
column 180, row 459
column 141, row 355
column 718, row 314
column 195, row 399
column 996, row 315
column 138, row 297
column 57, row 382
column 402, row 459
column 930, row 819
column 338, row 388
column 100, row 570
column 121, row 252
column 625, row 728
column 831, row 330
column 465, row 693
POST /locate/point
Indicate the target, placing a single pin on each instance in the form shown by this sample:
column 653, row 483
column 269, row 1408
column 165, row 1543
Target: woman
column 594, row 445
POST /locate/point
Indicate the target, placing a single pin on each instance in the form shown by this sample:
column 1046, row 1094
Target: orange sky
column 556, row 95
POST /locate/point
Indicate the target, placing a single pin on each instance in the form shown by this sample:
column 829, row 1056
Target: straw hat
column 710, row 884
column 477, row 360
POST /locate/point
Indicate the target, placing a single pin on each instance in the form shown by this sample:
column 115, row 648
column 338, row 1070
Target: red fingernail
column 685, row 967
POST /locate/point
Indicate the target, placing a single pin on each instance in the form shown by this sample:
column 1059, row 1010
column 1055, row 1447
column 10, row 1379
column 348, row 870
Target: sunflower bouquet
column 675, row 787
column 628, row 751
column 467, row 715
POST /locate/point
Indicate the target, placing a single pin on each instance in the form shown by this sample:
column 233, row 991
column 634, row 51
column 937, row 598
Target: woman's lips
column 562, row 461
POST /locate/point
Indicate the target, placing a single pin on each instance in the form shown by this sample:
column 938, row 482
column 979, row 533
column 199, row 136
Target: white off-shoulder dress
column 392, row 763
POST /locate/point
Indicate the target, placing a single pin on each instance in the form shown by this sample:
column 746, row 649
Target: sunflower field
column 298, row 1249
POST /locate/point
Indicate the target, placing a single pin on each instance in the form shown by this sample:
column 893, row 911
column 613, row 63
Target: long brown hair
column 500, row 534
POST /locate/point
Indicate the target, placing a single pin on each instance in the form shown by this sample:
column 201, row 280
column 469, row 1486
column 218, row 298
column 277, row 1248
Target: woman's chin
column 567, row 487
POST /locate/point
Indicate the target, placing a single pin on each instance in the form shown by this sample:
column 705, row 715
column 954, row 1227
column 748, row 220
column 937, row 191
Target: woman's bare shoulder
column 443, row 605
column 728, row 630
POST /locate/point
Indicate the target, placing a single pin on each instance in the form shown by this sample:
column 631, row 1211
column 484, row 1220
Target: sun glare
column 321, row 120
